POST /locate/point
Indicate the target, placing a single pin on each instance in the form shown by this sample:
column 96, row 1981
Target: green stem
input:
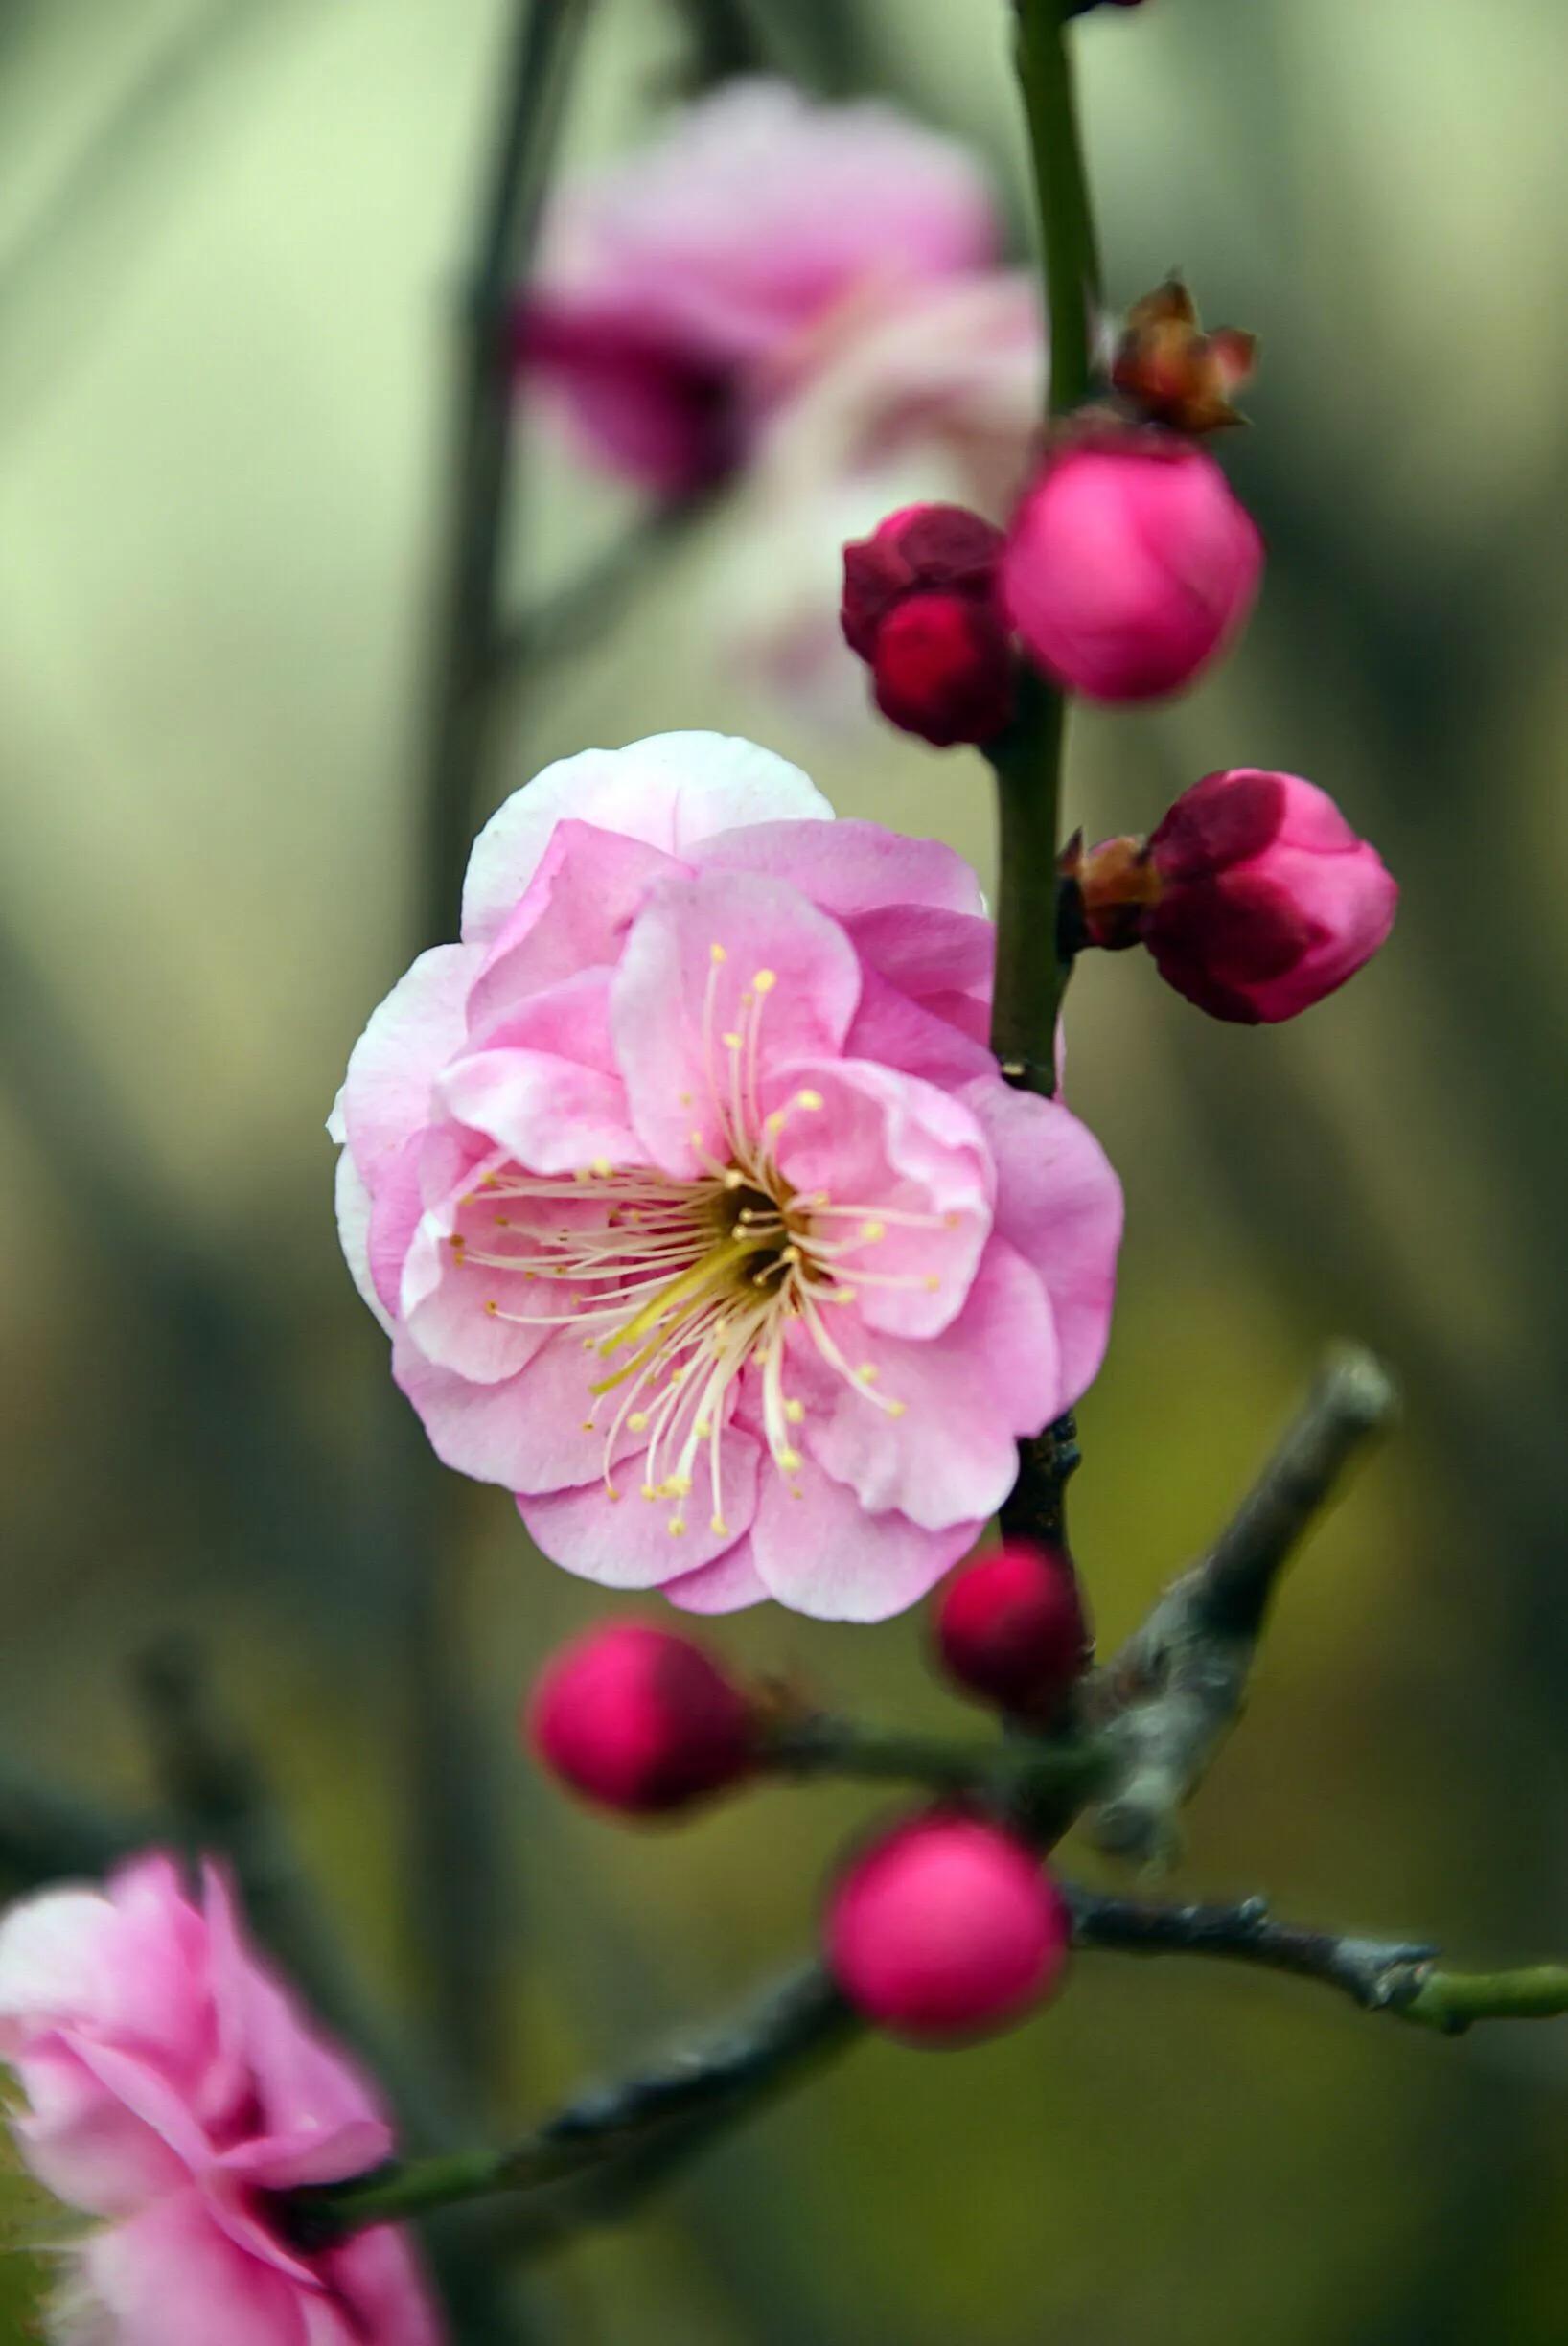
column 1030, row 975
column 1022, row 1768
column 1451, row 2000
column 1069, row 250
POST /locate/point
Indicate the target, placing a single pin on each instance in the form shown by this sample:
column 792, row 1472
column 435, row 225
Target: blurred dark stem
column 724, row 38
column 1174, row 1691
column 483, row 489
column 219, row 1802
column 1068, row 245
column 456, row 1904
column 46, row 1835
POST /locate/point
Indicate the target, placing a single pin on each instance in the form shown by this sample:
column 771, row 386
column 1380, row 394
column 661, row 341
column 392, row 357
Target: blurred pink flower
column 694, row 1201
column 683, row 288
column 170, row 2083
column 935, row 397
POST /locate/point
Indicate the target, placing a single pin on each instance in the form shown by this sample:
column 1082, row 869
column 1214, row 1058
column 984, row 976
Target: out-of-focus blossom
column 641, row 1720
column 935, row 398
column 1130, row 564
column 946, row 1929
column 1267, row 899
column 171, row 2084
column 695, row 1204
column 686, row 289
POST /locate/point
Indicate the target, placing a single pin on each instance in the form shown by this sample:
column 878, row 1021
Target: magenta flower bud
column 946, row 1930
column 1010, row 1629
column 1130, row 565
column 944, row 669
column 1267, row 899
column 920, row 547
column 641, row 1720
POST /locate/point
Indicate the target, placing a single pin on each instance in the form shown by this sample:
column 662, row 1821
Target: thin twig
column 1379, row 1975
column 730, row 2070
column 1174, row 1691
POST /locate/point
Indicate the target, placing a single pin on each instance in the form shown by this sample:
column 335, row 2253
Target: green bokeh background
column 230, row 238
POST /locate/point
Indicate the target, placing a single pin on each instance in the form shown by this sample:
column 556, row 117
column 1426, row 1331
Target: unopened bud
column 641, row 1720
column 947, row 1929
column 1010, row 1629
column 920, row 608
column 1130, row 565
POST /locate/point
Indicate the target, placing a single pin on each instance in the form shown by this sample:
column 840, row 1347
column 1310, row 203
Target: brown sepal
column 1170, row 372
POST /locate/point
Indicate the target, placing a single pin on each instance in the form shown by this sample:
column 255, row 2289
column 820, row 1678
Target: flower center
column 679, row 1288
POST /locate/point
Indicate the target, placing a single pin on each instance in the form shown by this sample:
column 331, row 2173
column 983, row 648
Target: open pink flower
column 694, row 1201
column 684, row 286
column 170, row 2083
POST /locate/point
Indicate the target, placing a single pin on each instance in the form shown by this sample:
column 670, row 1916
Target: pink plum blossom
column 683, row 288
column 689, row 1192
column 170, row 2083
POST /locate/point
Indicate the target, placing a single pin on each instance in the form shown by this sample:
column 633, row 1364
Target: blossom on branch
column 694, row 1201
column 170, row 2083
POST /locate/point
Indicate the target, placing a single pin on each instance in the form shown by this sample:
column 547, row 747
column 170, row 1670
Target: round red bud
column 947, row 1929
column 1130, row 564
column 1010, row 1629
column 943, row 668
column 641, row 1720
column 1267, row 900
column 940, row 547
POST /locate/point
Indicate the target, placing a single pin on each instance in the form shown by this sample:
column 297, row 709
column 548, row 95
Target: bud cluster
column 944, row 1926
column 1129, row 566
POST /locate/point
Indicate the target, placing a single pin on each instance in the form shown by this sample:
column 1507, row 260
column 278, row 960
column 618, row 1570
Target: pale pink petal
column 689, row 977
column 395, row 1216
column 413, row 1033
column 854, row 869
column 81, row 2141
column 925, row 952
column 823, row 1555
column 548, row 1115
column 728, row 1585
column 172, row 2277
column 626, row 1543
column 352, row 1200
column 943, row 1040
column 571, row 918
column 908, row 1181
column 529, row 1434
column 377, row 2272
column 950, row 1455
column 670, row 790
column 1059, row 1203
column 567, row 1019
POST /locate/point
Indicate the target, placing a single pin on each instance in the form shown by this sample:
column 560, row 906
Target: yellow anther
column 677, row 1526
column 717, row 953
column 775, row 1122
column 868, row 1372
column 636, row 1421
column 730, row 1041
column 686, row 1099
column 719, row 1527
column 490, row 1304
column 810, row 1100
column 951, row 1221
column 873, row 1229
column 677, row 1485
column 765, row 980
column 503, row 1221
column 896, row 1409
column 795, row 1411
column 650, row 1491
column 611, row 1491
column 603, row 1168
column 930, row 1284
column 588, row 1425
column 456, row 1243
column 703, row 1427
column 791, row 1460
